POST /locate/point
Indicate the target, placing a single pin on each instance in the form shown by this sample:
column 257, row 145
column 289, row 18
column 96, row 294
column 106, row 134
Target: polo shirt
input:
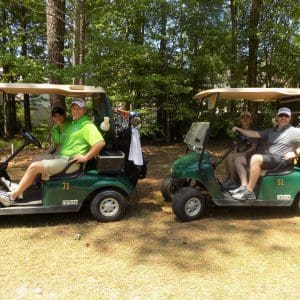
column 81, row 135
column 59, row 133
column 281, row 140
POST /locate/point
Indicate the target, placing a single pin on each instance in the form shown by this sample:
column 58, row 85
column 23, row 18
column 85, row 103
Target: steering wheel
column 241, row 138
column 31, row 139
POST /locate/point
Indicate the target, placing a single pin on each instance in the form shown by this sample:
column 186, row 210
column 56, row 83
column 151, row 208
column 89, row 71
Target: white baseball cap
column 80, row 102
column 246, row 113
column 284, row 110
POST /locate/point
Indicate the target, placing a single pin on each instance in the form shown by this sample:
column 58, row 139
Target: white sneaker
column 244, row 195
column 5, row 198
column 238, row 190
column 12, row 186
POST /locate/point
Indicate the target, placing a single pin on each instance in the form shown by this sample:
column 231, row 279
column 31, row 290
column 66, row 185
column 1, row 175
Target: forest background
column 150, row 56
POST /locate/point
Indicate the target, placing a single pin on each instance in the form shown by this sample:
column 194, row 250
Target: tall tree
column 255, row 15
column 55, row 11
column 163, row 99
column 280, row 50
column 24, row 16
column 234, row 72
column 79, row 26
column 153, row 54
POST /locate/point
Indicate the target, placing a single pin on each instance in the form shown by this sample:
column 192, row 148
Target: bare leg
column 241, row 168
column 255, row 170
column 32, row 171
column 229, row 166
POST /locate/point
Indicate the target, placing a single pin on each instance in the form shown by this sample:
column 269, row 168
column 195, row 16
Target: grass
column 233, row 253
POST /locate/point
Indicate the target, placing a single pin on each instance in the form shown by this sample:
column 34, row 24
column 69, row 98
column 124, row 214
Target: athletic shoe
column 229, row 183
column 238, row 190
column 225, row 180
column 12, row 186
column 245, row 195
column 5, row 198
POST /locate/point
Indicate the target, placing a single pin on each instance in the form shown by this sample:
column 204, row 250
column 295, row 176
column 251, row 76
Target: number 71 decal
column 66, row 186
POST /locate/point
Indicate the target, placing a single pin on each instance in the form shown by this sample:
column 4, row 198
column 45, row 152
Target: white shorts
column 56, row 165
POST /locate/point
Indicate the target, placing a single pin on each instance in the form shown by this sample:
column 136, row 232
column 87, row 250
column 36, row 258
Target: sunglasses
column 283, row 116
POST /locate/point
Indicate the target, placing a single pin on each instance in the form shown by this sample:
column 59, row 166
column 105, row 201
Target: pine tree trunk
column 253, row 42
column 27, row 118
column 55, row 11
column 163, row 110
column 79, row 28
column 234, row 78
column 253, row 50
column 26, row 103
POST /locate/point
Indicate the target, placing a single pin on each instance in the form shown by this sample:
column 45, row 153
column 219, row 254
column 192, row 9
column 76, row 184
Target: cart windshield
column 197, row 135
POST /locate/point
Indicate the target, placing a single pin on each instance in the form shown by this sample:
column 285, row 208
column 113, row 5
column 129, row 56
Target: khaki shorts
column 56, row 165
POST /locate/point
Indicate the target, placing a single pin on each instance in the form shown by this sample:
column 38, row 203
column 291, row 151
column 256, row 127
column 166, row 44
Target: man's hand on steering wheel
column 235, row 129
column 239, row 136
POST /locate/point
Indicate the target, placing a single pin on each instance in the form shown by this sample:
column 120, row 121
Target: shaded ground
column 232, row 253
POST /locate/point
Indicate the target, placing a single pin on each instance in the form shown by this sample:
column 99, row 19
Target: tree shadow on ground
column 250, row 213
column 150, row 234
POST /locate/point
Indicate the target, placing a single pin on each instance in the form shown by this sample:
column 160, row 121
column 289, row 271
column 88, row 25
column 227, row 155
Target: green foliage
column 42, row 133
column 154, row 55
column 12, row 144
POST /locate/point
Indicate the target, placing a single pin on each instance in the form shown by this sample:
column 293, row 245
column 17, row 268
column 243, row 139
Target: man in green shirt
column 83, row 141
column 58, row 133
column 59, row 129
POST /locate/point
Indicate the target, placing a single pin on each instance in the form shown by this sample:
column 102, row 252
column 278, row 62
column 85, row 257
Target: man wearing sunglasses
column 283, row 145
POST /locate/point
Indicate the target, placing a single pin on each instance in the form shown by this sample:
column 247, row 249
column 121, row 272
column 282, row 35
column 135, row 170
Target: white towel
column 135, row 150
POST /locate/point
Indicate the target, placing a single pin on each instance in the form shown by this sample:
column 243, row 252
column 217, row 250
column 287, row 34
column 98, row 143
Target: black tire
column 296, row 205
column 108, row 206
column 188, row 204
column 167, row 189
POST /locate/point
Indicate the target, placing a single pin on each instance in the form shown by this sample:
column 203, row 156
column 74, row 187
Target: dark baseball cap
column 57, row 110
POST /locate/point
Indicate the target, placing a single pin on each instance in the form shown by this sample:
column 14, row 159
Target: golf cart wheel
column 188, row 204
column 108, row 206
column 167, row 188
column 296, row 205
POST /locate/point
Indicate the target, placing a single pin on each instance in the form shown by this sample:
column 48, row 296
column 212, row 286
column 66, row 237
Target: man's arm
column 292, row 154
column 251, row 149
column 95, row 149
column 247, row 132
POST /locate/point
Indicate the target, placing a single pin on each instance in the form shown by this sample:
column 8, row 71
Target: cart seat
column 64, row 175
column 271, row 173
column 282, row 169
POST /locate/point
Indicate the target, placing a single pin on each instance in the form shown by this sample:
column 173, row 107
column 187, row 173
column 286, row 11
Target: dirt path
column 230, row 254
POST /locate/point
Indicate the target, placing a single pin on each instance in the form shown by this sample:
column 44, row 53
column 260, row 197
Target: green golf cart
column 193, row 184
column 102, row 183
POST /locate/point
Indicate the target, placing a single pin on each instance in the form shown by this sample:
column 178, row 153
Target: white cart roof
column 58, row 89
column 253, row 94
